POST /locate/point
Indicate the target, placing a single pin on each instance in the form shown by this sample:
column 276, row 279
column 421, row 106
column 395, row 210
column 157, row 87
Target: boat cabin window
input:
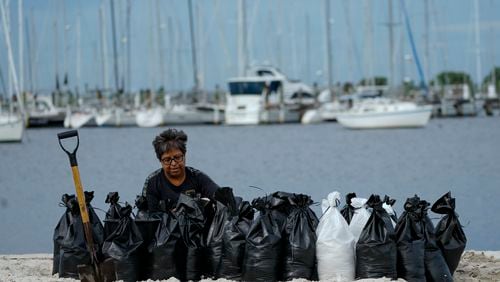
column 246, row 88
column 265, row 73
column 41, row 106
column 303, row 95
column 252, row 87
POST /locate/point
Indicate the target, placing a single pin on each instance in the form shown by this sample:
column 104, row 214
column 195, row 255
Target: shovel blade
column 87, row 273
column 107, row 268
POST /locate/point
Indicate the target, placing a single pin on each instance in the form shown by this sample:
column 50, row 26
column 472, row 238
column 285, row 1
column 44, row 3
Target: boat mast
column 66, row 47
column 160, row 27
column 20, row 42
column 477, row 34
column 30, row 52
column 104, row 52
column 9, row 72
column 78, row 59
column 308, row 48
column 12, row 67
column 423, row 85
column 34, row 62
column 426, row 20
column 129, row 55
column 369, row 42
column 391, row 45
column 242, row 38
column 57, row 93
column 193, row 49
column 328, row 48
column 115, row 50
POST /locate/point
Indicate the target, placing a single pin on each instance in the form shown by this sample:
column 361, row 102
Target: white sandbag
column 391, row 212
column 360, row 217
column 335, row 246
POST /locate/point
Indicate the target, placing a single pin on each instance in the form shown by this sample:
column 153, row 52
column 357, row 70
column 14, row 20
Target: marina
column 334, row 139
column 458, row 155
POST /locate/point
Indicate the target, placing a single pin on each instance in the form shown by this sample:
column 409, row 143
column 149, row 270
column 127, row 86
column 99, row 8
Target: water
column 460, row 155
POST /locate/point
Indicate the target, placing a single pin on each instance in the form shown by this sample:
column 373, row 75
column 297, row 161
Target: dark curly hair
column 170, row 139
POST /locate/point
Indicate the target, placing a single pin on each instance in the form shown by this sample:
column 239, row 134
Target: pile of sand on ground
column 478, row 266
column 474, row 266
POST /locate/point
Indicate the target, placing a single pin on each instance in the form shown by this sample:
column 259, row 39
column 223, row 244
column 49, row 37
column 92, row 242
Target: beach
column 474, row 266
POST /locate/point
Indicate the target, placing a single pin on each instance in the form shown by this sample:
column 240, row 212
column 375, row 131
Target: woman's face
column 173, row 163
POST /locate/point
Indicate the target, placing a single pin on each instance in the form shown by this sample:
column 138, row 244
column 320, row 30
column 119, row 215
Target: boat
column 11, row 122
column 11, row 127
column 149, row 117
column 78, row 118
column 255, row 100
column 193, row 114
column 41, row 111
column 328, row 110
column 293, row 89
column 385, row 113
column 116, row 116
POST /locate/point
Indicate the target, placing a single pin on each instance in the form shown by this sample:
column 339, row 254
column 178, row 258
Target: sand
column 474, row 266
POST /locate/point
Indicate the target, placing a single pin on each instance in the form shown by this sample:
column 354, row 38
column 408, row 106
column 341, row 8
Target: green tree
column 453, row 77
column 378, row 80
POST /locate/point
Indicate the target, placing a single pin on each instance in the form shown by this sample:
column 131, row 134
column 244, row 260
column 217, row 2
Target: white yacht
column 328, row 109
column 385, row 113
column 193, row 114
column 11, row 127
column 115, row 116
column 293, row 89
column 41, row 111
column 255, row 100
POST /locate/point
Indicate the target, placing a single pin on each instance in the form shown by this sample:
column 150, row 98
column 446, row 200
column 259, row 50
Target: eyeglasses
column 168, row 161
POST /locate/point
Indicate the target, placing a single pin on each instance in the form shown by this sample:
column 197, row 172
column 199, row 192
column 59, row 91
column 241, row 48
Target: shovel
column 90, row 273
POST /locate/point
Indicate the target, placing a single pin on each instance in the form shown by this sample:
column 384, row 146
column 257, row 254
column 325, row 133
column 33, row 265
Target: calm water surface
column 460, row 155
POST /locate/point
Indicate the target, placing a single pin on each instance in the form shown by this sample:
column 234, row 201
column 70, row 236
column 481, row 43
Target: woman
column 174, row 177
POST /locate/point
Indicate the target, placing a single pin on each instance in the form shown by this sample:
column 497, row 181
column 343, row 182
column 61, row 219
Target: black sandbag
column 191, row 220
column 113, row 214
column 389, row 201
column 410, row 242
column 376, row 252
column 225, row 209
column 300, row 239
column 61, row 230
column 235, row 232
column 264, row 244
column 71, row 243
column 122, row 245
column 436, row 268
column 141, row 203
column 449, row 233
column 348, row 211
column 147, row 223
column 167, row 249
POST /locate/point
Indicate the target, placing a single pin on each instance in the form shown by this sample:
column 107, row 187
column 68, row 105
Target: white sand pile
column 474, row 266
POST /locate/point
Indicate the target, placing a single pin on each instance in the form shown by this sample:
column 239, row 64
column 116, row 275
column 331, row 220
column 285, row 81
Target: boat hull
column 149, row 117
column 76, row 120
column 399, row 119
column 11, row 129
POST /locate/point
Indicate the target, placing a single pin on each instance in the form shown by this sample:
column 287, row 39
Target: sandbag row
column 198, row 238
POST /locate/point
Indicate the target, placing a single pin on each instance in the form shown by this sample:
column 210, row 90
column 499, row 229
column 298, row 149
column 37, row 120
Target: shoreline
column 474, row 266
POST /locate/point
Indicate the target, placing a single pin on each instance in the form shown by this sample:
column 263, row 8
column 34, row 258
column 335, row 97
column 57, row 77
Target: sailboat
column 12, row 122
column 11, row 127
column 385, row 113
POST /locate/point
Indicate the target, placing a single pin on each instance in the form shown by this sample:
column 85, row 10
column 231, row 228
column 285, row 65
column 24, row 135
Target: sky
column 65, row 37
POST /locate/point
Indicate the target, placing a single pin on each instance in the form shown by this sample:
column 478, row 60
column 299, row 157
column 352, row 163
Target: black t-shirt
column 157, row 187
